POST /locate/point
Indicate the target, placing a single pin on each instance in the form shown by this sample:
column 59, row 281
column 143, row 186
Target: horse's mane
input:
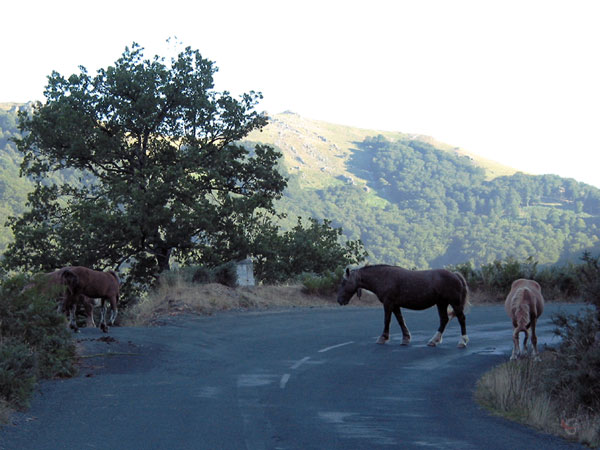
column 374, row 266
column 114, row 274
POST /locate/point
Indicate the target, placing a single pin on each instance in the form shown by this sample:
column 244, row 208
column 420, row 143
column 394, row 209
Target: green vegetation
column 439, row 208
column 159, row 177
column 560, row 394
column 34, row 343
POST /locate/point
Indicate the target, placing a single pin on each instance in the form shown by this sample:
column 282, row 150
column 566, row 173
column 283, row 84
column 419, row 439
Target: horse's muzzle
column 342, row 301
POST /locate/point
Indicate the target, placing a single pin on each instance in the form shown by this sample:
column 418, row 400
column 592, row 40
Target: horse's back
column 97, row 284
column 517, row 294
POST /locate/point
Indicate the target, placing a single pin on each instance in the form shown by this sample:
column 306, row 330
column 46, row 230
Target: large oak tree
column 158, row 171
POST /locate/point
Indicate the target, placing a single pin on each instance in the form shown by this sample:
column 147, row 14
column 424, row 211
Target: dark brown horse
column 397, row 288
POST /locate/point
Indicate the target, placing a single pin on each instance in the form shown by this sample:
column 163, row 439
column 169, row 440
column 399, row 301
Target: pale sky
column 514, row 81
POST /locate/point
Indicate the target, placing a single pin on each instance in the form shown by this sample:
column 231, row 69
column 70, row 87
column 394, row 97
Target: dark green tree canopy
column 159, row 170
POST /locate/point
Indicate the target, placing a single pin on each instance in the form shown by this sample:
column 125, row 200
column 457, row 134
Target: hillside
column 318, row 151
column 412, row 201
column 420, row 203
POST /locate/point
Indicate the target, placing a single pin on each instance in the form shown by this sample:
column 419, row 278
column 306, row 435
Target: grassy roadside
column 528, row 392
column 183, row 297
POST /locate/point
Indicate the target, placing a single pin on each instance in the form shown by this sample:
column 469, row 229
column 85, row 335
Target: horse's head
column 71, row 281
column 348, row 287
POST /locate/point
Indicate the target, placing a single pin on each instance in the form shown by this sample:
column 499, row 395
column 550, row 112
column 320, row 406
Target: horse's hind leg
column 536, row 355
column 385, row 336
column 464, row 339
column 113, row 310
column 405, row 331
column 437, row 337
column 103, row 325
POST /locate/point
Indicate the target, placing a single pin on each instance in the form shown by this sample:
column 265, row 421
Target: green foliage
column 422, row 207
column 160, row 174
column 589, row 276
column 558, row 281
column 440, row 209
column 34, row 340
column 17, row 372
column 225, row 274
column 314, row 248
column 325, row 284
column 575, row 376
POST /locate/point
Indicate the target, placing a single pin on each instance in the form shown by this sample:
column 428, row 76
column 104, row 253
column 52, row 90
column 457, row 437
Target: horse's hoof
column 405, row 341
column 382, row 340
column 462, row 343
column 432, row 344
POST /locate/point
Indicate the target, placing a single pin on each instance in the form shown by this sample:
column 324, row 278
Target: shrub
column 34, row 341
column 325, row 284
column 226, row 274
column 575, row 376
column 17, row 372
column 201, row 275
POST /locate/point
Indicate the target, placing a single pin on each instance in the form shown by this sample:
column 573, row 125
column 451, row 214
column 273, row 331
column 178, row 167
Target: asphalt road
column 297, row 379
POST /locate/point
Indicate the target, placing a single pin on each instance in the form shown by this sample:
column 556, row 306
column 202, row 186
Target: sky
column 517, row 82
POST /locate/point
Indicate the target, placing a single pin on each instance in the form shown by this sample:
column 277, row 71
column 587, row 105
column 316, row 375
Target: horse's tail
column 464, row 295
column 522, row 307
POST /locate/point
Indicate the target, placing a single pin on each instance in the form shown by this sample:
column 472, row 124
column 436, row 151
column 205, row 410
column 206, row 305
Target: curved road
column 295, row 379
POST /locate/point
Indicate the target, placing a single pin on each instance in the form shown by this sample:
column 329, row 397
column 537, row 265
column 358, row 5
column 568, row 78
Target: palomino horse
column 397, row 288
column 81, row 281
column 524, row 304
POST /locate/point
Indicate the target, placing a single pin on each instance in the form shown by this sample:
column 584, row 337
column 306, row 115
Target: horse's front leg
column 437, row 337
column 405, row 331
column 89, row 312
column 385, row 336
column 73, row 318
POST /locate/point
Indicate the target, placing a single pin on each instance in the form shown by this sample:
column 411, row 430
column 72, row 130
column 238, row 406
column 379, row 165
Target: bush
column 575, row 376
column 34, row 341
column 325, row 284
column 17, row 372
column 225, row 274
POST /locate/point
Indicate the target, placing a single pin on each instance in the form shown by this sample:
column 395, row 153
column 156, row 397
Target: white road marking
column 299, row 363
column 284, row 379
column 326, row 349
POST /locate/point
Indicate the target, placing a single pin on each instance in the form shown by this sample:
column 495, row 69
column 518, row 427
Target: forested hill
column 420, row 203
column 411, row 200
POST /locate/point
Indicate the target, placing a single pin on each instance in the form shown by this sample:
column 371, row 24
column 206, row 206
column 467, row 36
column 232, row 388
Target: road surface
column 295, row 379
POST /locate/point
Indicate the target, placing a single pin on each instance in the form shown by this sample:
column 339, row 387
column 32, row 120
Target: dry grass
column 515, row 390
column 180, row 297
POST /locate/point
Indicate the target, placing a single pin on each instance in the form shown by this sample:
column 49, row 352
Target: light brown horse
column 51, row 284
column 397, row 288
column 524, row 305
column 81, row 281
